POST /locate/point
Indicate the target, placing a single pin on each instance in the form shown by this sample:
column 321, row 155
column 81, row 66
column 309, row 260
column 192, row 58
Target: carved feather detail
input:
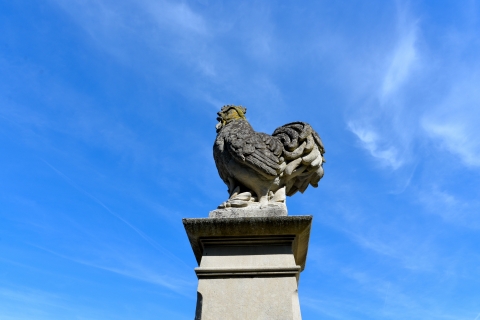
column 292, row 156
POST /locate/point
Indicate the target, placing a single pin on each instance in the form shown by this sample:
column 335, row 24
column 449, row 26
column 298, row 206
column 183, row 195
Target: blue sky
column 107, row 121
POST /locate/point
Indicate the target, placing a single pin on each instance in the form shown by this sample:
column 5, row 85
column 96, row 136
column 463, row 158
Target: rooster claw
column 237, row 200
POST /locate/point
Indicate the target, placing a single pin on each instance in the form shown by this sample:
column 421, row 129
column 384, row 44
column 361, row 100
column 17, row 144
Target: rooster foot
column 237, row 200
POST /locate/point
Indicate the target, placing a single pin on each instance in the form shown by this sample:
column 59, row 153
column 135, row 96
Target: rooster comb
column 241, row 110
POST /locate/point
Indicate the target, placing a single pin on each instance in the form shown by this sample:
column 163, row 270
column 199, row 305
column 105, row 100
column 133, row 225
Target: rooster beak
column 219, row 124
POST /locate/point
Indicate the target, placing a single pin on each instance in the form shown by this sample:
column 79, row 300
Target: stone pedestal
column 249, row 267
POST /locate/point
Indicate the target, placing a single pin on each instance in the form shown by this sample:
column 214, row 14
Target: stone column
column 249, row 267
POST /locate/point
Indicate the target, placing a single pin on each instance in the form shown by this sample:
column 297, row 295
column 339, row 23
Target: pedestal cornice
column 251, row 231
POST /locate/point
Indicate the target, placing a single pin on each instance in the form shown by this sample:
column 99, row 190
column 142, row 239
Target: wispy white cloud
column 392, row 301
column 62, row 110
column 151, row 35
column 124, row 263
column 453, row 208
column 454, row 122
column 176, row 16
column 25, row 303
column 382, row 122
column 403, row 57
column 413, row 252
column 388, row 155
column 458, row 138
column 31, row 297
column 145, row 237
column 411, row 247
column 134, row 32
column 333, row 308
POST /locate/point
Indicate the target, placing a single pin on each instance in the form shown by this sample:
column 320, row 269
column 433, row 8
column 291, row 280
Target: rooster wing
column 260, row 151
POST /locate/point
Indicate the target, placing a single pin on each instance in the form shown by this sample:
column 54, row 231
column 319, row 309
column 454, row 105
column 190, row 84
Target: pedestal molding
column 276, row 240
column 247, row 271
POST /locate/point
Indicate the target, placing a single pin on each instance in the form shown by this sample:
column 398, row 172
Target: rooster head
column 229, row 113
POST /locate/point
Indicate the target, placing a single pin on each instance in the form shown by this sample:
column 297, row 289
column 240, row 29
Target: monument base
column 249, row 267
column 253, row 210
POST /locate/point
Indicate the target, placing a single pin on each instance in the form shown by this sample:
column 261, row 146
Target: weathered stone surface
column 262, row 298
column 249, row 267
column 201, row 229
column 263, row 168
column 253, row 210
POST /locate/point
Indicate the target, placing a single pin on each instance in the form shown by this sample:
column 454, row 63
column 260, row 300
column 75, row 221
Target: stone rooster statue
column 262, row 169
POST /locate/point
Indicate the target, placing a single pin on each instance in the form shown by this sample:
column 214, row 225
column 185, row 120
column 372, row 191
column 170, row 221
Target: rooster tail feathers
column 303, row 153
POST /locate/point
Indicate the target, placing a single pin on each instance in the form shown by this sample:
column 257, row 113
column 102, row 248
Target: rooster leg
column 235, row 192
column 262, row 196
column 263, row 202
column 231, row 186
